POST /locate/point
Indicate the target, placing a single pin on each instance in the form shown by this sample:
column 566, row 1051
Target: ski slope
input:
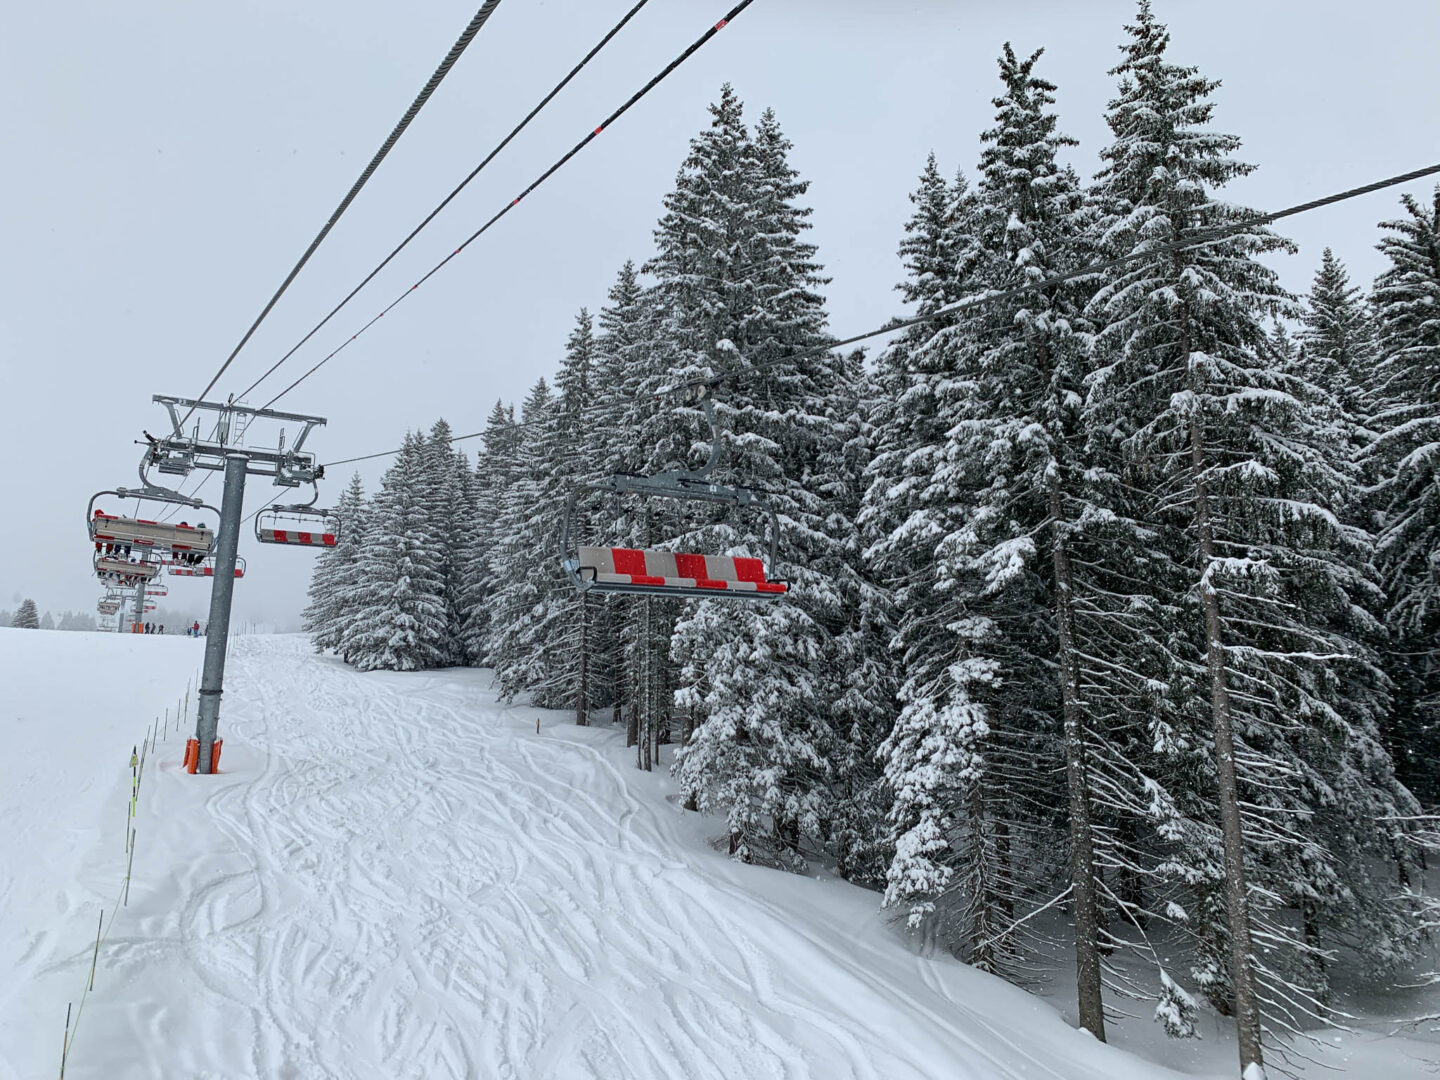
column 396, row 876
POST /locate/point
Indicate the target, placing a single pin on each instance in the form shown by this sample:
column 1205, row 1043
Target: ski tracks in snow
column 434, row 890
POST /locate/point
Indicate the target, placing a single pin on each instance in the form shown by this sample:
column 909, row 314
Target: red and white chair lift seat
column 199, row 571
column 109, row 528
column 295, row 536
column 119, row 569
column 663, row 571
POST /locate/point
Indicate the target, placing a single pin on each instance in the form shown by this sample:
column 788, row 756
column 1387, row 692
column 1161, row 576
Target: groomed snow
column 396, row 876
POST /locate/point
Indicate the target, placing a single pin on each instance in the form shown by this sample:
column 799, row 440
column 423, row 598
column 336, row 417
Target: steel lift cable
column 551, row 171
column 481, row 16
column 1199, row 239
column 448, row 198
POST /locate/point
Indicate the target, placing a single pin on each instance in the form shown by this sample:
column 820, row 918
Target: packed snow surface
column 395, row 875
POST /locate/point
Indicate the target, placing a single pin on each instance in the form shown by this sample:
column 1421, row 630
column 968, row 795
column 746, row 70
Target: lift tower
column 226, row 448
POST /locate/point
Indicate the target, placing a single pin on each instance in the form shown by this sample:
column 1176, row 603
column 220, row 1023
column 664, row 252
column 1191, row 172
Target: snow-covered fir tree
column 1242, row 492
column 621, row 363
column 399, row 613
column 528, row 602
column 452, row 499
column 1339, row 342
column 26, row 617
column 335, row 578
column 573, row 680
column 737, row 285
column 1407, row 456
column 482, row 569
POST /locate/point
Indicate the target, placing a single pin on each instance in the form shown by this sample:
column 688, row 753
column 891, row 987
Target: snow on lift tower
column 228, row 447
column 300, row 524
column 652, row 572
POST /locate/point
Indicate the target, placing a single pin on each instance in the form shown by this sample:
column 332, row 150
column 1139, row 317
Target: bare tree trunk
column 633, row 706
column 1082, row 841
column 618, row 680
column 1237, row 900
column 642, row 683
column 583, row 699
column 647, row 720
column 984, row 926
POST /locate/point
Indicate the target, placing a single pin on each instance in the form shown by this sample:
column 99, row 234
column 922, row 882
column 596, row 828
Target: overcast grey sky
column 168, row 161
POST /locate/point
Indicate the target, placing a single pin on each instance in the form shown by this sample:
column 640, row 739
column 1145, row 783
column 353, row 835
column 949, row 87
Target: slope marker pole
column 128, row 864
column 65, row 1045
column 95, row 959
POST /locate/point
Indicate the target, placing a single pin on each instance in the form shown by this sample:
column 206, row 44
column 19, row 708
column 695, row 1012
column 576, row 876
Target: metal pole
column 120, row 617
column 140, row 603
column 217, row 630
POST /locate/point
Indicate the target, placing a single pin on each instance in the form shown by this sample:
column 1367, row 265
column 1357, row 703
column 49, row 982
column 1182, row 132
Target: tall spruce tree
column 1242, row 492
column 578, row 451
column 1016, row 456
column 948, row 861
column 1407, row 454
column 737, row 286
column 450, row 495
column 336, row 574
column 482, row 568
column 26, row 616
column 530, row 594
column 399, row 620
column 621, row 361
column 1340, row 347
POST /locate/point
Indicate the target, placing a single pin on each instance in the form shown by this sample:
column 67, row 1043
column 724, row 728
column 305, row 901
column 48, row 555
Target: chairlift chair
column 204, row 569
column 165, row 536
column 108, row 607
column 646, row 572
column 302, row 525
column 117, row 570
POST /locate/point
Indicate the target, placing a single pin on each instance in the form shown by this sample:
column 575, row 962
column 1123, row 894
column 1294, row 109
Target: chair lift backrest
column 643, row 571
column 115, row 568
column 205, row 569
column 297, row 526
column 159, row 535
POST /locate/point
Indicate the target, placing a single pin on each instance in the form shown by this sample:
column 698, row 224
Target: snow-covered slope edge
column 396, row 876
column 72, row 706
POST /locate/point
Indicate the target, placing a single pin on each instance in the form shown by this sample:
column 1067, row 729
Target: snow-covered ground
column 396, row 876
